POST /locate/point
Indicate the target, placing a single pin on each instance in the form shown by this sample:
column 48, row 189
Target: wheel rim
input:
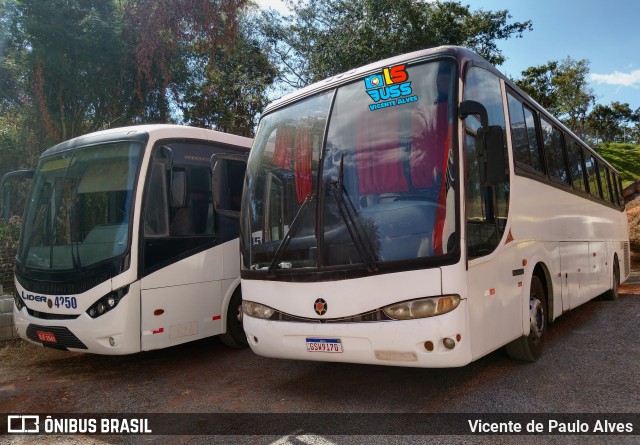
column 536, row 318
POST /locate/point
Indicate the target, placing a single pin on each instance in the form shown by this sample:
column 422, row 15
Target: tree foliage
column 326, row 37
column 562, row 88
column 230, row 93
column 611, row 123
column 69, row 67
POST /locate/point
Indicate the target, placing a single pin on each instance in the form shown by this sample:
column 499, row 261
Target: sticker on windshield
column 389, row 88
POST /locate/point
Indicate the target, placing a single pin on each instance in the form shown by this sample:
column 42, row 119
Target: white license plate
column 330, row 345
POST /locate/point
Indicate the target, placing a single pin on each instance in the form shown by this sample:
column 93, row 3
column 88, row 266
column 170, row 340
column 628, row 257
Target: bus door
column 186, row 241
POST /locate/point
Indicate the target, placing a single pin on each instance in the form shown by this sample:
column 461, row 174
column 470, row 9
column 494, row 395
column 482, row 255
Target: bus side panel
column 574, row 259
column 183, row 301
column 598, row 268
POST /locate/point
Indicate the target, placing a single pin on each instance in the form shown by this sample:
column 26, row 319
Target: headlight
column 108, row 302
column 257, row 310
column 422, row 308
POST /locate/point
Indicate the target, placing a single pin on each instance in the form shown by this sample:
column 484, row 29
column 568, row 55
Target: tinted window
column 590, row 163
column 524, row 135
column 576, row 168
column 604, row 182
column 552, row 140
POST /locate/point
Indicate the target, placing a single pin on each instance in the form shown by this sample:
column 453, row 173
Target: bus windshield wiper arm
column 349, row 216
column 282, row 247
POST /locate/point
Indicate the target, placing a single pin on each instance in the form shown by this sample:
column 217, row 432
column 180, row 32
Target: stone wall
column 7, row 259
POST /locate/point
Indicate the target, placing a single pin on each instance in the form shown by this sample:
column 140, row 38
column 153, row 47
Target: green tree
column 611, row 123
column 230, row 93
column 538, row 82
column 75, row 66
column 562, row 88
column 326, row 37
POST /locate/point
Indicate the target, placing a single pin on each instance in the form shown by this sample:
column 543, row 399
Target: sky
column 605, row 32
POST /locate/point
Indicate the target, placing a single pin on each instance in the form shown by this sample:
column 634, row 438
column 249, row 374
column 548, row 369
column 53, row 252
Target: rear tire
column 235, row 336
column 612, row 294
column 529, row 347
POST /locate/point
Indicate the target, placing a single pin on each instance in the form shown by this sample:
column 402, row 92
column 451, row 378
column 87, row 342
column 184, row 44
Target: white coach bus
column 422, row 211
column 130, row 241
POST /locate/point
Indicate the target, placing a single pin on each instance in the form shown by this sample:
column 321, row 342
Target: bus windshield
column 79, row 210
column 359, row 175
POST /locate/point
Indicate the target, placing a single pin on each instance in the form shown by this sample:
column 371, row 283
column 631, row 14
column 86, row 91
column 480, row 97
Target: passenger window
column 552, row 141
column 590, row 163
column 576, row 166
column 534, row 150
column 604, row 182
column 524, row 134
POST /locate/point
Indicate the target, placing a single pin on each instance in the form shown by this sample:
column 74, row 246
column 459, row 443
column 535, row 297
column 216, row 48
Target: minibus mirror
column 227, row 179
column 5, row 195
column 178, row 189
column 490, row 145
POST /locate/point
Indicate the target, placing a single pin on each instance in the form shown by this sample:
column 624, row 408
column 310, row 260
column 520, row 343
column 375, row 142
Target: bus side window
column 523, row 134
column 486, row 207
column 576, row 165
column 590, row 162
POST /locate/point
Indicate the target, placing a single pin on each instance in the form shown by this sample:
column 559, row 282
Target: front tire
column 235, row 336
column 529, row 347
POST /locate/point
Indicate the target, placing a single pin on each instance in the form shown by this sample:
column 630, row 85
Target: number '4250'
column 67, row 302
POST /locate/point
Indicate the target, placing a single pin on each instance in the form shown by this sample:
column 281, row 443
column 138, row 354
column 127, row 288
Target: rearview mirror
column 490, row 145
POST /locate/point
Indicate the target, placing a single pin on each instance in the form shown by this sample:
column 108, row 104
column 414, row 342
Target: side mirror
column 227, row 180
column 18, row 175
column 490, row 144
column 178, row 189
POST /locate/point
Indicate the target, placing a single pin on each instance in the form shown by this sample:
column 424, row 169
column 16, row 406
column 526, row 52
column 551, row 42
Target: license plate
column 47, row 337
column 331, row 345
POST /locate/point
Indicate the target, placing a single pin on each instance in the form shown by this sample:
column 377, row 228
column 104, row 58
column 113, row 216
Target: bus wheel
column 612, row 294
column 529, row 347
column 235, row 337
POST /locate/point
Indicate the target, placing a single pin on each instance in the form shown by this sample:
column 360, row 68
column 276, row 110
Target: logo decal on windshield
column 389, row 88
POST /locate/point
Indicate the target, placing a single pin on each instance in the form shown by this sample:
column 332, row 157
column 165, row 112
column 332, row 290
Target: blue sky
column 607, row 33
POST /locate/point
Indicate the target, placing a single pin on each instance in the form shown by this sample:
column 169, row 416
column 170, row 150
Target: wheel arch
column 231, row 290
column 542, row 272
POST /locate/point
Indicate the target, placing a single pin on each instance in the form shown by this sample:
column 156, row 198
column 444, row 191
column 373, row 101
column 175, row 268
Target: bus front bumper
column 436, row 342
column 108, row 336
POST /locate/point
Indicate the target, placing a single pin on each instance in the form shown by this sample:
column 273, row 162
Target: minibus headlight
column 422, row 308
column 257, row 310
column 108, row 302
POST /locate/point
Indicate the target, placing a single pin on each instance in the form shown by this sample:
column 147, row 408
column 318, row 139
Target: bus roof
column 142, row 133
column 464, row 57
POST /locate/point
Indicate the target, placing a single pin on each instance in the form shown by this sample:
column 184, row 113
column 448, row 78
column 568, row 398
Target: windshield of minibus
column 359, row 175
column 80, row 205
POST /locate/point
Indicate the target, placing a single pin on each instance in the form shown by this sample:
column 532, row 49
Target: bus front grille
column 63, row 336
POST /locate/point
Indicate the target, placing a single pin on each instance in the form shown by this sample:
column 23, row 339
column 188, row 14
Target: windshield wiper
column 350, row 217
column 282, row 247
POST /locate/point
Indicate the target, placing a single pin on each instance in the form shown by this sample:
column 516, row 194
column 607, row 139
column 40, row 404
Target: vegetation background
column 70, row 67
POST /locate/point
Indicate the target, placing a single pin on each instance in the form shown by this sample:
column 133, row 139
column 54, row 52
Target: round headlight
column 100, row 307
column 257, row 310
column 111, row 302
